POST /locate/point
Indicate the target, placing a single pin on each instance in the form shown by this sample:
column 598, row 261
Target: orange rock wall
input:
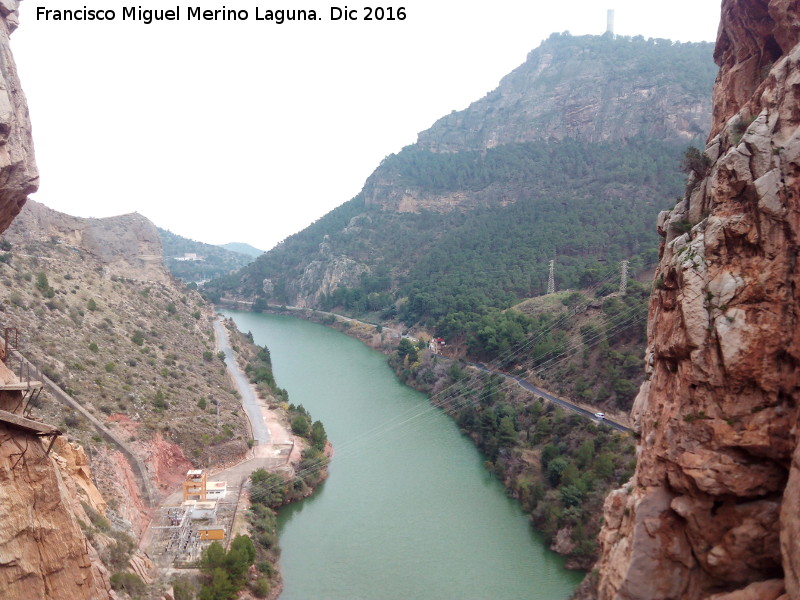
column 713, row 509
column 43, row 551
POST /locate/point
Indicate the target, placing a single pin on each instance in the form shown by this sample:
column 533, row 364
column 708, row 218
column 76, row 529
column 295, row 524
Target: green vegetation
column 695, row 161
column 225, row 573
column 118, row 554
column 43, row 285
column 560, row 467
column 587, row 204
column 268, row 492
column 216, row 260
column 129, row 583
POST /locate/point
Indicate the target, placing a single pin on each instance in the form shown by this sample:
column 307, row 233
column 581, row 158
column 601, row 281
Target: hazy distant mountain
column 190, row 260
column 243, row 248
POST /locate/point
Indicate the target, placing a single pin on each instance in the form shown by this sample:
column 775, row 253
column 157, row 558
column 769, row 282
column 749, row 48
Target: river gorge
column 408, row 510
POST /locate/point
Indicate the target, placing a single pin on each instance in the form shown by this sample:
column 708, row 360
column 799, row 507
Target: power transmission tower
column 551, row 281
column 623, row 280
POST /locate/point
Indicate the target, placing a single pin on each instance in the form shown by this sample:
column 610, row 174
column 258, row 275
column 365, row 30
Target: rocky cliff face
column 127, row 245
column 45, row 554
column 576, row 88
column 18, row 174
column 713, row 509
column 43, row 550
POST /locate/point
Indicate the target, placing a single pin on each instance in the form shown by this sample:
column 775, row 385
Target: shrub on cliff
column 130, row 583
column 300, row 425
column 268, row 489
column 226, row 572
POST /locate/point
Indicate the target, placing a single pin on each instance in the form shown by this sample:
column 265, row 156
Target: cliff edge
column 18, row 173
column 713, row 510
column 43, row 550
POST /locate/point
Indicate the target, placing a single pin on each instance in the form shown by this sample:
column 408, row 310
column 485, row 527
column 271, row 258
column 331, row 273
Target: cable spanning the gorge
column 469, row 393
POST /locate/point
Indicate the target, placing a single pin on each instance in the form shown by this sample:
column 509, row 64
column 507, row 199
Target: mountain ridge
column 608, row 108
column 364, row 255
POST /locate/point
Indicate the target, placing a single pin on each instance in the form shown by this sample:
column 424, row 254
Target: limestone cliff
column 712, row 510
column 323, row 275
column 127, row 245
column 593, row 88
column 18, row 174
column 43, row 550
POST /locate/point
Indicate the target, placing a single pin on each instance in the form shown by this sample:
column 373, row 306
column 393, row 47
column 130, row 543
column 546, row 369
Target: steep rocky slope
column 45, row 553
column 96, row 310
column 567, row 89
column 113, row 329
column 712, row 510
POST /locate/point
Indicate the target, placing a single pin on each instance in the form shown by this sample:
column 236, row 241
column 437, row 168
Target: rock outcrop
column 712, row 510
column 43, row 550
column 323, row 276
column 574, row 87
column 18, row 174
column 127, row 245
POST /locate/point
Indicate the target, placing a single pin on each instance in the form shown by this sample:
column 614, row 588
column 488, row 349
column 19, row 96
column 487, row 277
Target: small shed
column 216, row 490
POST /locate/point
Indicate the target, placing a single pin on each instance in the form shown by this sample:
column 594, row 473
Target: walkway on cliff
column 137, row 466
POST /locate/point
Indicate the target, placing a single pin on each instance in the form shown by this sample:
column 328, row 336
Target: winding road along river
column 409, row 512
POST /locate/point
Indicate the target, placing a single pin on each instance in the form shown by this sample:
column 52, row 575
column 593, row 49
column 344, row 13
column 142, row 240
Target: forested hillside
column 453, row 226
column 570, row 159
column 212, row 261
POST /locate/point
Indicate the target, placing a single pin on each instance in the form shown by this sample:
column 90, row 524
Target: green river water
column 408, row 512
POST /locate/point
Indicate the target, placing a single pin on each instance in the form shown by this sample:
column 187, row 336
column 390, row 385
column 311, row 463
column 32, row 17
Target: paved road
column 564, row 403
column 260, row 431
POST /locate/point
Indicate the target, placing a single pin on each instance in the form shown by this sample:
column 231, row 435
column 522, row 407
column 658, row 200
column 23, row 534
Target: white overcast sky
column 249, row 131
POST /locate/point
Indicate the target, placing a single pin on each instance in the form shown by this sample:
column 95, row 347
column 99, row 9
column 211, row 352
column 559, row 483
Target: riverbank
column 288, row 448
column 558, row 467
column 276, row 451
column 409, row 510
